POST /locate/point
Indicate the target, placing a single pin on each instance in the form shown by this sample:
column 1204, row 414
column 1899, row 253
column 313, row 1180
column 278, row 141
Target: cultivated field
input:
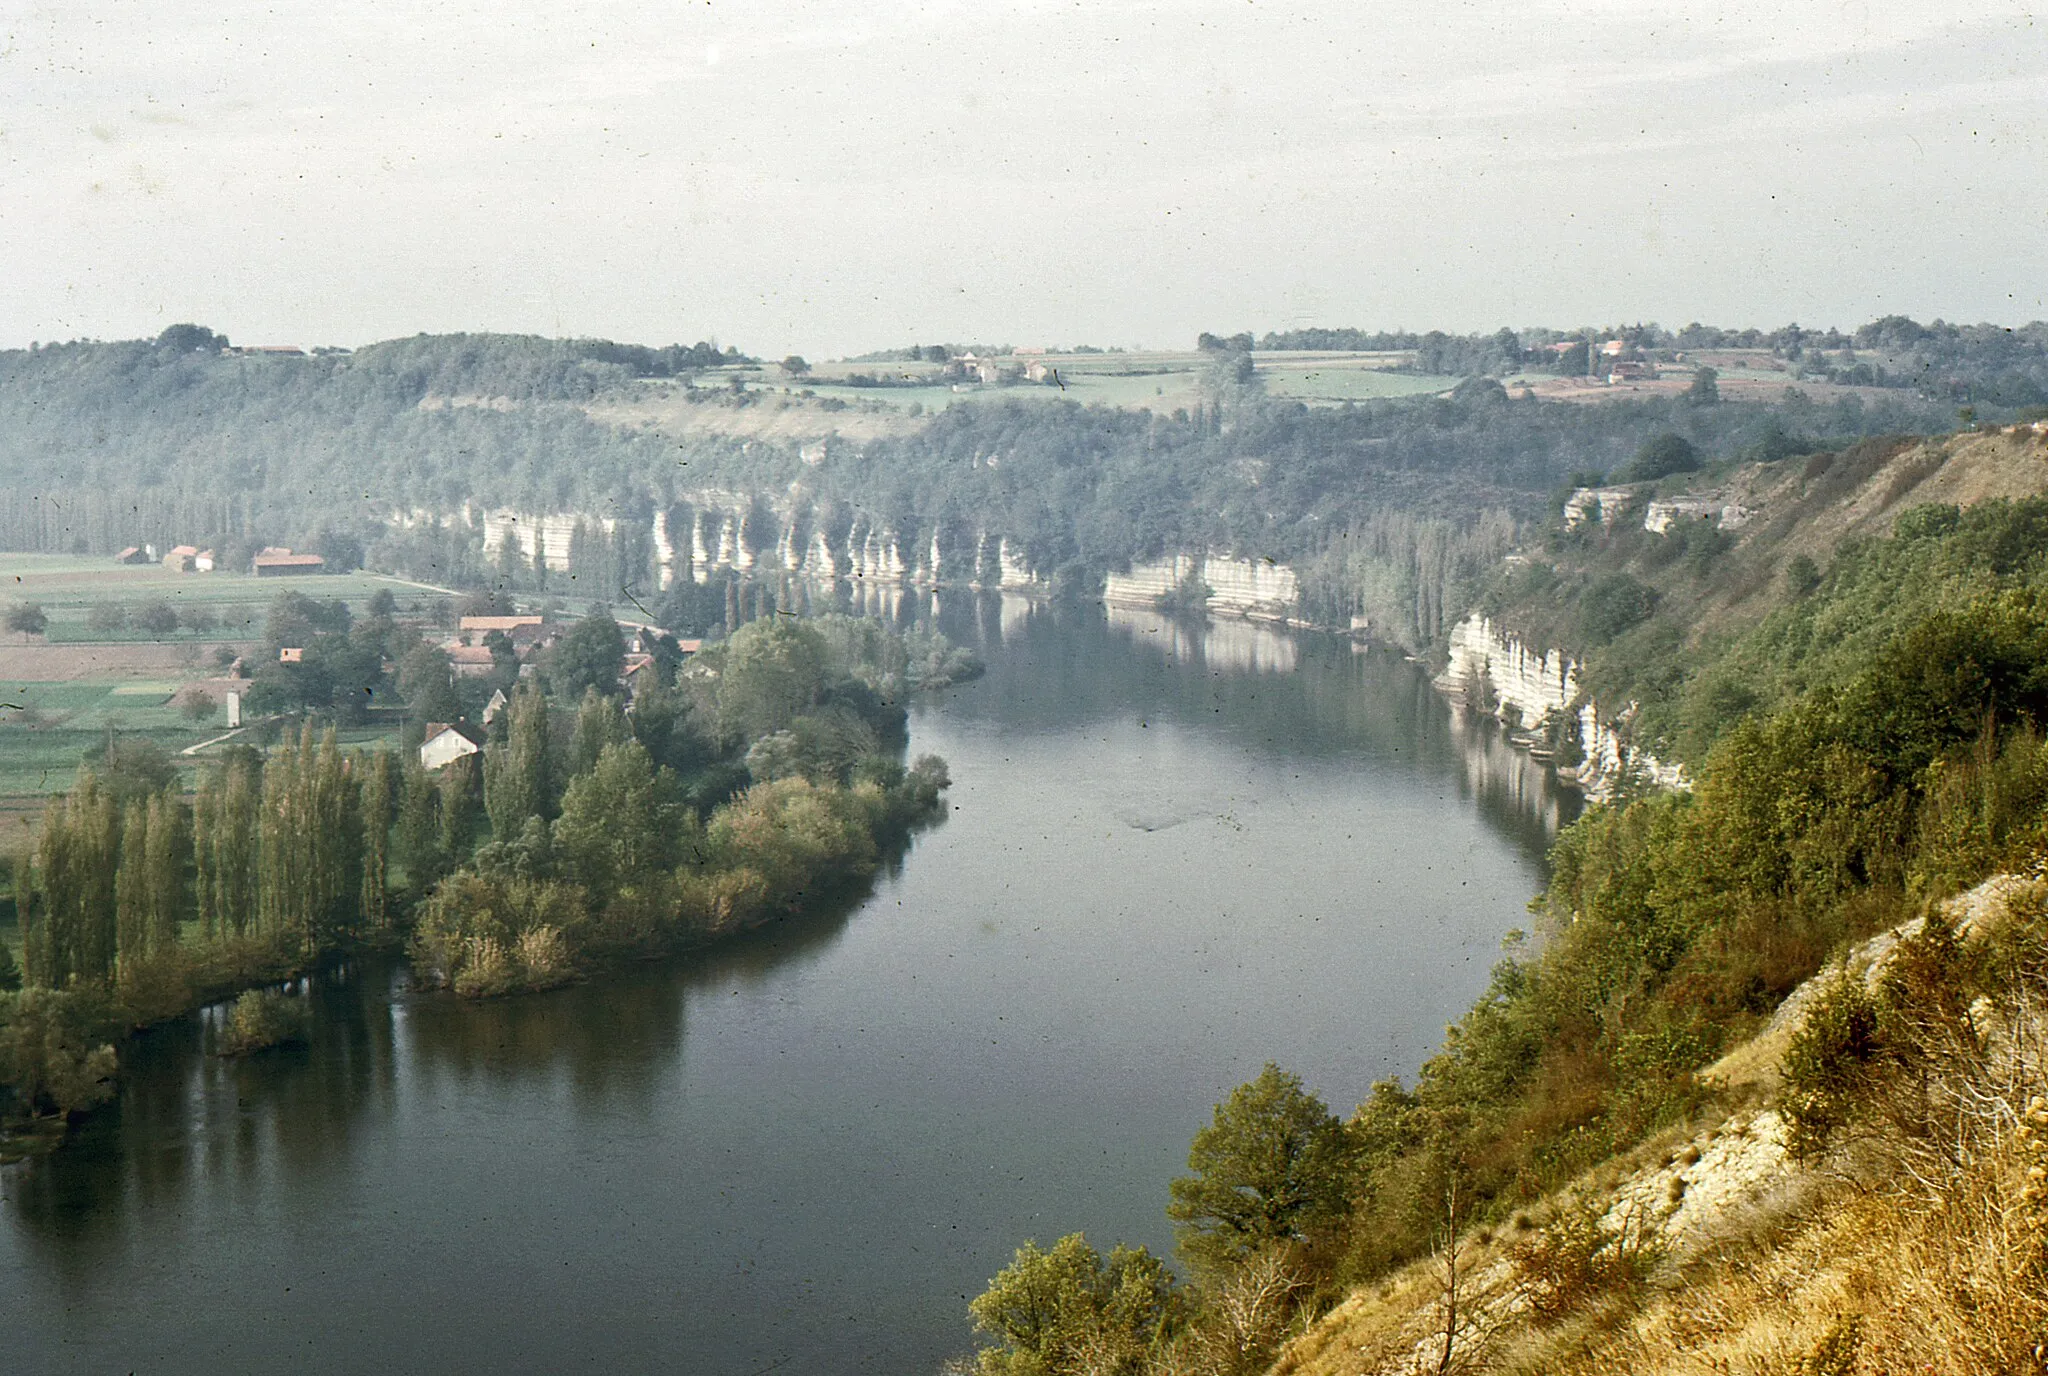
column 60, row 694
column 823, row 403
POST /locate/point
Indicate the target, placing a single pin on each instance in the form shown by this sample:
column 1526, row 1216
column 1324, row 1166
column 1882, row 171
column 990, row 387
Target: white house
column 444, row 745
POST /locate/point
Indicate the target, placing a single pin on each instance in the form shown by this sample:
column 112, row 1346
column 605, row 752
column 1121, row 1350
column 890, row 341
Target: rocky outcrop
column 1535, row 694
column 1257, row 589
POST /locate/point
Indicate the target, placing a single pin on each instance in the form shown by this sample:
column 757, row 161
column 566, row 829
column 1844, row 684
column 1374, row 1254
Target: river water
column 1171, row 856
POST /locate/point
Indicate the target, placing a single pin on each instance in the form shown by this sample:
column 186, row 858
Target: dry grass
column 1906, row 1251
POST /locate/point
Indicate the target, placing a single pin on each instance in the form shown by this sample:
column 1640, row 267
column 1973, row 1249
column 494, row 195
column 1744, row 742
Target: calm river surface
column 1171, row 857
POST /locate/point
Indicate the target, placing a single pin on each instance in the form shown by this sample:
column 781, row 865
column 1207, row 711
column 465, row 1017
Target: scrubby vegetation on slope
column 1900, row 759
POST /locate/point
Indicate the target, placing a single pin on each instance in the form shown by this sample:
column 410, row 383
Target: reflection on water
column 1174, row 853
column 1218, row 646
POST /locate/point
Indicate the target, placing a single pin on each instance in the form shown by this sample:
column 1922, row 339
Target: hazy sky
column 827, row 177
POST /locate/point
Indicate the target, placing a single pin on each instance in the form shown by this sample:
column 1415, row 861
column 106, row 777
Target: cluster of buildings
column 272, row 561
column 446, row 742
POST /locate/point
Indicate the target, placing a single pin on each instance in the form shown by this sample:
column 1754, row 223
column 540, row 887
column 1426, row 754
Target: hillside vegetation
column 1393, row 508
column 1892, row 756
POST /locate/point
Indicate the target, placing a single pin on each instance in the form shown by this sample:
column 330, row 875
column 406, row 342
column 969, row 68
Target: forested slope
column 1391, row 507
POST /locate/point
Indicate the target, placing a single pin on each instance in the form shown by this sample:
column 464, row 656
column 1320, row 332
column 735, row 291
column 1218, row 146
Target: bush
column 158, row 618
column 195, row 704
column 1577, row 1259
column 262, row 1018
column 27, row 618
column 1829, row 1064
column 54, row 1051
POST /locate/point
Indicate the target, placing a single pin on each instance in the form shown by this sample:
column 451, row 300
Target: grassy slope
column 1754, row 1260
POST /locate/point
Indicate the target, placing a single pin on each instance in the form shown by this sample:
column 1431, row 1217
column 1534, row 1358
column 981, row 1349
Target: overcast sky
column 830, row 177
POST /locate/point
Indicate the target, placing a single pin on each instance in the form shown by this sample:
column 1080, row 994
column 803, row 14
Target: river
column 1171, row 856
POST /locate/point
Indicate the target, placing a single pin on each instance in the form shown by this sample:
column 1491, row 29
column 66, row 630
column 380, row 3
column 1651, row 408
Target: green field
column 230, row 606
column 1161, row 381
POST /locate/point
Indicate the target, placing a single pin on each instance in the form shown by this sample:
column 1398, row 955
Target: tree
column 795, row 366
column 1270, row 1169
column 599, row 723
column 186, row 338
column 774, row 672
column 620, row 821
column 1705, row 389
column 1660, row 457
column 27, row 618
column 1068, row 1310
column 426, row 680
column 589, row 656
column 158, row 619
column 417, row 843
column 105, row 618
column 519, row 775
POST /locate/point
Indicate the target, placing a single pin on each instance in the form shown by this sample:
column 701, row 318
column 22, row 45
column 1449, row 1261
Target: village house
column 203, row 562
column 278, row 561
column 445, row 743
column 181, row 557
column 494, row 706
column 471, row 661
column 482, row 625
column 134, row 554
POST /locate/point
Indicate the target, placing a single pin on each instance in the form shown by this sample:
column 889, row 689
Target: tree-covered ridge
column 104, row 445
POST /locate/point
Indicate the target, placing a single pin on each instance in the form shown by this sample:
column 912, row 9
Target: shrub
column 1576, row 1259
column 262, row 1018
column 27, row 618
column 1829, row 1064
column 196, row 704
column 53, row 1050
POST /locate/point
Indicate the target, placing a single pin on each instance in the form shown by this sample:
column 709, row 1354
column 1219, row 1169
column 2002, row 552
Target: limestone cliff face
column 1524, row 687
column 1259, row 589
column 730, row 531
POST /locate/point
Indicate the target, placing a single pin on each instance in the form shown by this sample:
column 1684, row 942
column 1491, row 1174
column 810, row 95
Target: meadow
column 62, row 692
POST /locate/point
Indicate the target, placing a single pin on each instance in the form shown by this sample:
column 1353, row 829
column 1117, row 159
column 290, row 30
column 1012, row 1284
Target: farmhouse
column 182, row 558
column 278, row 561
column 471, row 661
column 203, row 562
column 446, row 743
column 507, row 624
column 134, row 554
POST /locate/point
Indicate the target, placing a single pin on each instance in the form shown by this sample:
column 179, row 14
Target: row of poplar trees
column 292, row 849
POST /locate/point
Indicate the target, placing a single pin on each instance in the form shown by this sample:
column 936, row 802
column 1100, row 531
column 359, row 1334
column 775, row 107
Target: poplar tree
column 77, row 853
column 518, row 782
column 131, row 887
column 168, row 866
column 599, row 723
column 458, row 789
column 224, row 846
column 378, row 781
column 205, row 822
column 418, row 842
